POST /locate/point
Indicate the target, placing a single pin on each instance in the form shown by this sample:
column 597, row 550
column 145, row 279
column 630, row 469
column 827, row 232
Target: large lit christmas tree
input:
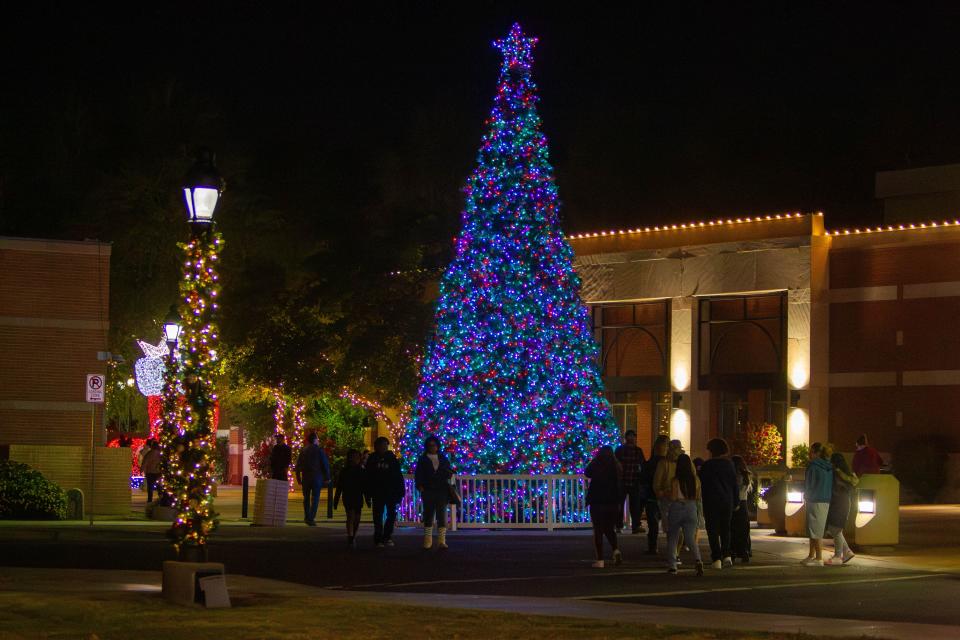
column 510, row 381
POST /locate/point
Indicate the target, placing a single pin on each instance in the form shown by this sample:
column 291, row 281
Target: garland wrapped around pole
column 195, row 444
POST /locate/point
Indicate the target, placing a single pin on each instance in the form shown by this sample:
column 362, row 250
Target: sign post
column 95, row 395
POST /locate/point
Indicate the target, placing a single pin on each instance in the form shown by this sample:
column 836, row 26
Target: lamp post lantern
column 202, row 188
column 192, row 456
column 171, row 329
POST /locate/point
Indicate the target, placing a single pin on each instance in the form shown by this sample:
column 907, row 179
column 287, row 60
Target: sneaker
column 745, row 560
column 617, row 557
column 381, row 545
column 834, row 561
column 728, row 562
column 812, row 562
column 699, row 568
column 597, row 564
column 311, row 523
column 672, row 570
column 848, row 556
column 717, row 564
column 388, row 542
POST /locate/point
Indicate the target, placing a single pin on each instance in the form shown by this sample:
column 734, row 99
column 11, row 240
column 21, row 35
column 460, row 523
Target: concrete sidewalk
column 51, row 582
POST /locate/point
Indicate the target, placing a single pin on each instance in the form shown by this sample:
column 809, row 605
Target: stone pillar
column 798, row 368
column 684, row 424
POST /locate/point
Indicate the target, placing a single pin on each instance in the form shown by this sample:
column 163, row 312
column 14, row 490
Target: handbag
column 454, row 495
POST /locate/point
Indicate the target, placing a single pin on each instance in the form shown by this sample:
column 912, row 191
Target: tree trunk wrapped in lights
column 169, row 433
column 195, row 445
column 510, row 381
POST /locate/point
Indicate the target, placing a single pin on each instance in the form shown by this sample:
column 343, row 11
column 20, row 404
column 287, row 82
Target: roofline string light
column 694, row 225
column 894, row 227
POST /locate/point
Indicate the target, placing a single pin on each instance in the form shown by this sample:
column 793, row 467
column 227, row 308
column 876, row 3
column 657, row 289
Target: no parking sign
column 95, row 389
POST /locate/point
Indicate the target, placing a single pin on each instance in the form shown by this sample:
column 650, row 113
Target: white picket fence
column 509, row 502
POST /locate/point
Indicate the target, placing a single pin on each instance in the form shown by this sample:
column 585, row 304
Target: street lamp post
column 193, row 456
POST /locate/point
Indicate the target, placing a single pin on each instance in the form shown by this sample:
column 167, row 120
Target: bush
column 920, row 464
column 760, row 444
column 260, row 460
column 799, row 456
column 26, row 495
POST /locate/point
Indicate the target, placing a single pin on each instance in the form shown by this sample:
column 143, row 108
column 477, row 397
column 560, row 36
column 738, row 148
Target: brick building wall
column 54, row 318
column 894, row 345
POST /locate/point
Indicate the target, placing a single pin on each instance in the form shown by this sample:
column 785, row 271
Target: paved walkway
column 60, row 581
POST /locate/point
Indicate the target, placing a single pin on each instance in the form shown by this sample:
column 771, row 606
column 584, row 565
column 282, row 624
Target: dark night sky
column 653, row 115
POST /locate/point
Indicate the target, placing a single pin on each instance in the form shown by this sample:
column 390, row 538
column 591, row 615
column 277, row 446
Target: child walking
column 350, row 487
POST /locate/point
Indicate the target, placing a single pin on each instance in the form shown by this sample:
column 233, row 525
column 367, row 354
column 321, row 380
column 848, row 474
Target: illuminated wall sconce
column 794, row 398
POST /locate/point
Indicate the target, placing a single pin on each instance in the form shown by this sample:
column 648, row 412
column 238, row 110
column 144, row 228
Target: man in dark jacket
column 631, row 461
column 313, row 472
column 280, row 457
column 385, row 489
column 718, row 486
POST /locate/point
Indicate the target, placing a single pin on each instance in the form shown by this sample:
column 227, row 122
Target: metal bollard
column 245, row 499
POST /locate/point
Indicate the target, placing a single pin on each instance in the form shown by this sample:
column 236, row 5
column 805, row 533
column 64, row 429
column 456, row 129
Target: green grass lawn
column 106, row 616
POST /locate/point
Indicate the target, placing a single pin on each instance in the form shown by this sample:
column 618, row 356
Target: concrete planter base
column 185, row 583
column 164, row 514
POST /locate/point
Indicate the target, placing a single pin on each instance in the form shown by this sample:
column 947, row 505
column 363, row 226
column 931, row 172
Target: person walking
column 350, row 485
column 313, row 473
column 866, row 459
column 604, row 499
column 740, row 546
column 280, row 457
column 718, row 485
column 631, row 460
column 150, row 465
column 685, row 507
column 432, row 478
column 817, row 493
column 647, row 473
column 385, row 490
column 663, row 483
column 844, row 481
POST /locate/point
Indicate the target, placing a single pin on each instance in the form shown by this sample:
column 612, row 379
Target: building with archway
column 708, row 326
